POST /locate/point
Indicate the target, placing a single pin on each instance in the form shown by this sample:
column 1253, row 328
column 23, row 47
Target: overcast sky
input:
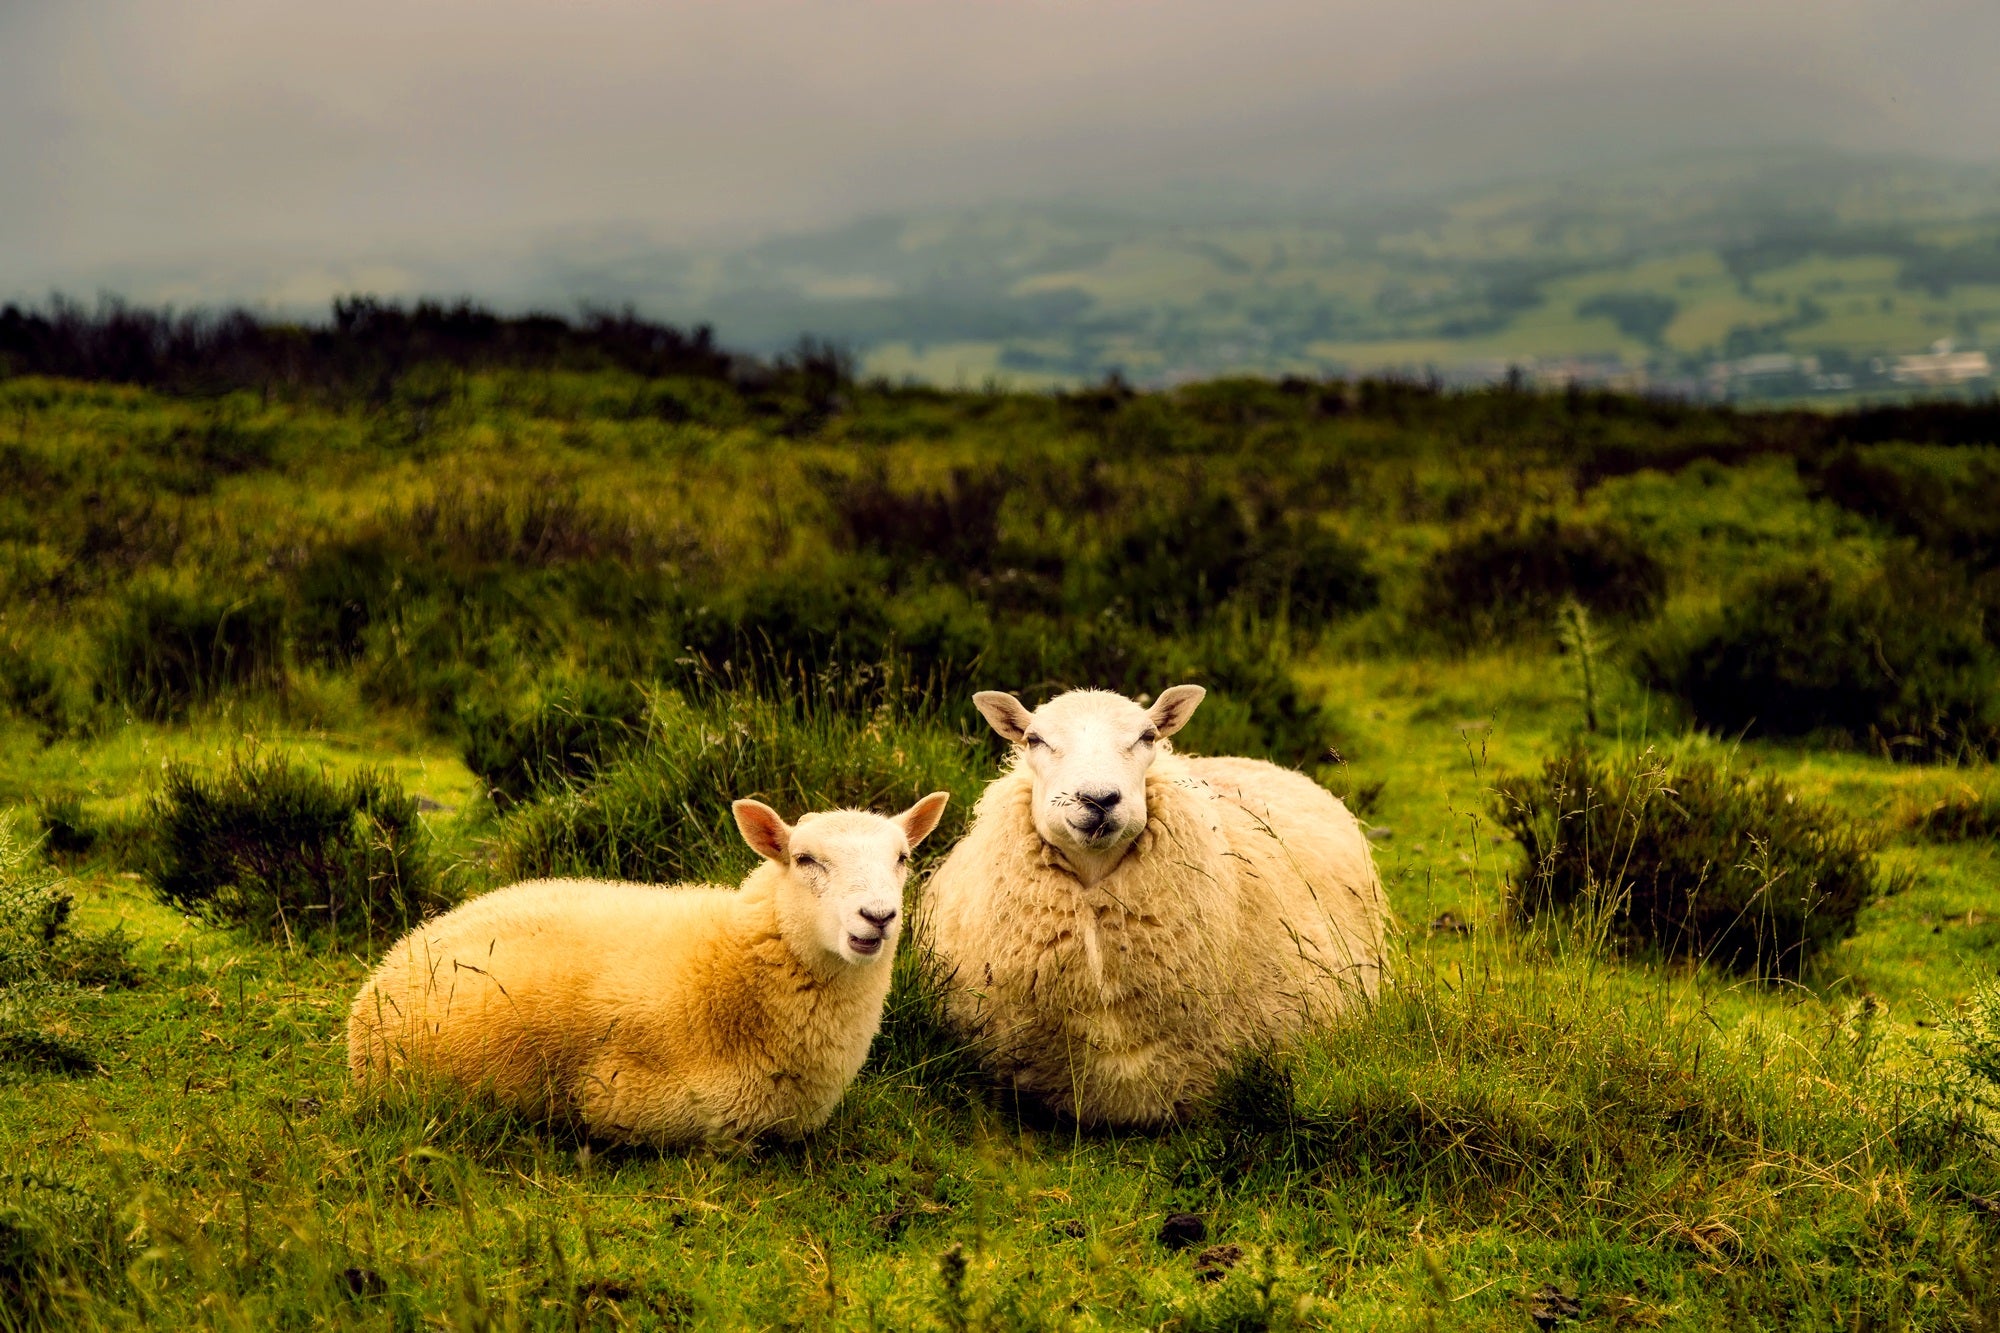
column 221, row 135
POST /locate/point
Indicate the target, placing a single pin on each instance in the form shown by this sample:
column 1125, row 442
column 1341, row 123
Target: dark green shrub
column 541, row 524
column 1685, row 857
column 1939, row 495
column 66, row 830
column 290, row 852
column 1503, row 581
column 803, row 617
column 32, row 687
column 661, row 813
column 191, row 459
column 1177, row 565
column 956, row 529
column 564, row 735
column 1895, row 660
column 337, row 593
column 169, row 647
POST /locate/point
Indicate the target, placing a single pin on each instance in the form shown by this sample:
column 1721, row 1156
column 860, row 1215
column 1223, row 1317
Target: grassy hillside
column 568, row 601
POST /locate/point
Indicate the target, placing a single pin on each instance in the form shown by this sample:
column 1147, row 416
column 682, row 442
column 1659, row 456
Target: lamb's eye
column 1147, row 737
column 1037, row 741
column 903, row 859
column 804, row 862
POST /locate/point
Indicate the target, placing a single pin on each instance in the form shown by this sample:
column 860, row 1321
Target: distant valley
column 1764, row 275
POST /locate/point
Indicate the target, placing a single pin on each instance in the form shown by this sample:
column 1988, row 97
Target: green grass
column 1666, row 1146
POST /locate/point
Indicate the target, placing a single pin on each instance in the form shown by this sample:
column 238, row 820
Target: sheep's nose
column 1104, row 802
column 879, row 917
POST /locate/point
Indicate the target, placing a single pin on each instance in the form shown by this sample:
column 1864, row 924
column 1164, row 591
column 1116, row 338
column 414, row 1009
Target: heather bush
column 1895, row 660
column 1939, row 495
column 33, row 688
column 290, row 852
column 661, row 813
column 954, row 528
column 1686, row 858
column 1505, row 581
column 1180, row 563
column 563, row 734
column 337, row 592
column 66, row 830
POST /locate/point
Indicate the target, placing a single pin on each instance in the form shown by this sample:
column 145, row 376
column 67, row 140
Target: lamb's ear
column 918, row 821
column 1004, row 713
column 1174, row 707
column 768, row 835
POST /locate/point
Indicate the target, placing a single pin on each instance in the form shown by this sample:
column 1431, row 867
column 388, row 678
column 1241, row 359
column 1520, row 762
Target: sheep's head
column 1088, row 752
column 841, row 894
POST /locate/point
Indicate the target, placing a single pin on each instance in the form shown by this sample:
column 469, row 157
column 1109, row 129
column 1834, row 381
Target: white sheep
column 1122, row 923
column 668, row 1016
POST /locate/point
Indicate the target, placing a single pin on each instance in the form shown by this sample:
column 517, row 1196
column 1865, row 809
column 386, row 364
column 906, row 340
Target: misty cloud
column 246, row 144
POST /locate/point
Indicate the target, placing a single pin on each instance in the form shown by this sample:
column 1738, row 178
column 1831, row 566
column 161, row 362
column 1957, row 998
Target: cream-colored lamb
column 1123, row 923
column 661, row 1015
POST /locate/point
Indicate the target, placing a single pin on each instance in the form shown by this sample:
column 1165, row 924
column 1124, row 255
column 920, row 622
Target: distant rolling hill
column 1765, row 274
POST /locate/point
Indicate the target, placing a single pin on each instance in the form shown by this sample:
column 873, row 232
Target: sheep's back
column 515, row 990
column 1313, row 907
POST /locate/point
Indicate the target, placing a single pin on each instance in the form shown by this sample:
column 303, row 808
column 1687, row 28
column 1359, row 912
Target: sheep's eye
column 1147, row 737
column 903, row 859
column 804, row 862
column 1034, row 741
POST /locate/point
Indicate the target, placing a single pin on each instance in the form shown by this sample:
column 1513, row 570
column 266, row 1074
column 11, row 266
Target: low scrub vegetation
column 1502, row 581
column 1184, row 562
column 1686, row 858
column 1894, row 660
column 661, row 812
column 1972, row 1062
column 581, row 583
column 292, row 853
column 563, row 734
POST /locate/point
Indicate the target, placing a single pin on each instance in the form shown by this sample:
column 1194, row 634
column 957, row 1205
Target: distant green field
column 1530, row 1130
column 1666, row 268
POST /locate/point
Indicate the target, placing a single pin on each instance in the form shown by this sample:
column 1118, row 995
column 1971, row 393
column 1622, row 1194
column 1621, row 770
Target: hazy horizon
column 235, row 151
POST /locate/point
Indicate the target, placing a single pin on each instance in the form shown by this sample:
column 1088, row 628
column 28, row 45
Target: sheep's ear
column 1174, row 707
column 1004, row 713
column 769, row 836
column 918, row 821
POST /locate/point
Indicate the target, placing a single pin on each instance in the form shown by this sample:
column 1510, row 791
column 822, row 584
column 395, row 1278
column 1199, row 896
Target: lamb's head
column 1088, row 752
column 841, row 894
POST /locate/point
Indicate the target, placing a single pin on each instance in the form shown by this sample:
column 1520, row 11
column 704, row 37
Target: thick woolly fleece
column 668, row 1016
column 1248, row 910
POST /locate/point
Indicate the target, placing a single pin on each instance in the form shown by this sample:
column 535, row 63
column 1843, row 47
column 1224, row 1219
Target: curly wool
column 667, row 1016
column 1247, row 910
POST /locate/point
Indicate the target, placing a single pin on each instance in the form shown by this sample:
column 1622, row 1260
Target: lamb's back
column 518, row 987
